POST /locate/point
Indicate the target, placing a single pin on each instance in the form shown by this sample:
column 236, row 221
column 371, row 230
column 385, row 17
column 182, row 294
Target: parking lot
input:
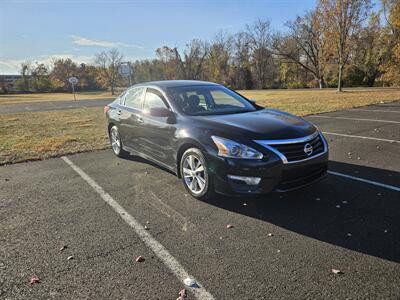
column 104, row 212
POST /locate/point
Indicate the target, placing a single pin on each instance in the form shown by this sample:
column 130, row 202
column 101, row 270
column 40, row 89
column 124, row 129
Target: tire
column 116, row 142
column 195, row 176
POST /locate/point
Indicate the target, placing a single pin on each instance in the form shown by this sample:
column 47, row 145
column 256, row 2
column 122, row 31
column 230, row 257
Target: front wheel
column 195, row 176
column 116, row 143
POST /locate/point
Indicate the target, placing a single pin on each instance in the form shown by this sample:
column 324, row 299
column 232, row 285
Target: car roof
column 163, row 84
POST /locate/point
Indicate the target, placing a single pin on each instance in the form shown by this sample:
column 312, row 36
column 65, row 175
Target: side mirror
column 161, row 112
column 252, row 101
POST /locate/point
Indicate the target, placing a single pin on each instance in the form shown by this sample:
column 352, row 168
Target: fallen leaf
column 244, row 204
column 270, row 234
column 146, row 227
column 34, row 280
column 344, row 202
column 229, row 226
column 337, row 206
column 70, row 257
column 349, row 234
column 336, row 271
column 63, row 248
column 182, row 295
column 140, row 259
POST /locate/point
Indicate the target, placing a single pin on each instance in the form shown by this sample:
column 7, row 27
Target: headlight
column 229, row 148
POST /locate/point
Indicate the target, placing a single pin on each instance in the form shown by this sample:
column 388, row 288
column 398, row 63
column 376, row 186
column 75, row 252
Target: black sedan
column 215, row 139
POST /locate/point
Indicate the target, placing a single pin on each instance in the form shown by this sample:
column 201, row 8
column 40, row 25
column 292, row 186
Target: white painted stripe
column 376, row 110
column 393, row 104
column 360, row 137
column 159, row 250
column 354, row 119
column 390, row 187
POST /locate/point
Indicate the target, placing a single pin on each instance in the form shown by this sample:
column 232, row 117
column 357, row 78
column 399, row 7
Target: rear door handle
column 140, row 120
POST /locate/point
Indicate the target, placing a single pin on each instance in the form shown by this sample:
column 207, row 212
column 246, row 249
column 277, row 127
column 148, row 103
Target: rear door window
column 133, row 98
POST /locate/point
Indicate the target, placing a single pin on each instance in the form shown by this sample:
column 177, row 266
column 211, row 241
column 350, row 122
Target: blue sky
column 44, row 30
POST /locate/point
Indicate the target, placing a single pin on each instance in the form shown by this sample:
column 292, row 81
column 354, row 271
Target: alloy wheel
column 194, row 174
column 115, row 140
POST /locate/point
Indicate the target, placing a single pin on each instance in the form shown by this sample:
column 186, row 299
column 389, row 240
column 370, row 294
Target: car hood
column 262, row 124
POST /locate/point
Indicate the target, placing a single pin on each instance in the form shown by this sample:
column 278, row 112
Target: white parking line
column 376, row 110
column 159, row 250
column 360, row 137
column 390, row 187
column 355, row 119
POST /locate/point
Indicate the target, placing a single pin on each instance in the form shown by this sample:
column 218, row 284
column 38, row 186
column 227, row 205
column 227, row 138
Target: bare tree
column 194, row 56
column 26, row 72
column 304, row 45
column 108, row 63
column 219, row 59
column 343, row 20
column 168, row 60
column 260, row 42
column 241, row 75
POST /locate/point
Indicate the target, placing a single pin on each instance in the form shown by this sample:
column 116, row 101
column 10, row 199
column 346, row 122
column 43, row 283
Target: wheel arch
column 185, row 145
column 110, row 124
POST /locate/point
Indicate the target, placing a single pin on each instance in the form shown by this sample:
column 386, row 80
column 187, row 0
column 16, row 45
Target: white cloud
column 13, row 66
column 10, row 66
column 83, row 41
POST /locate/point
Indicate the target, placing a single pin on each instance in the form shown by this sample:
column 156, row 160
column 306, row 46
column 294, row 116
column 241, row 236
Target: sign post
column 125, row 70
column 73, row 81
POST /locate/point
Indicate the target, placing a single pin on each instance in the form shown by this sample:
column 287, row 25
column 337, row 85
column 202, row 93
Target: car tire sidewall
column 209, row 189
column 121, row 152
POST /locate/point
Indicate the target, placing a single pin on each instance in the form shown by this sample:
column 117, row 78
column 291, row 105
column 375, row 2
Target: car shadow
column 339, row 211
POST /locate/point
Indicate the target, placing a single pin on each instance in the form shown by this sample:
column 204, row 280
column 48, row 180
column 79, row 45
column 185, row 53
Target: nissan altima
column 215, row 139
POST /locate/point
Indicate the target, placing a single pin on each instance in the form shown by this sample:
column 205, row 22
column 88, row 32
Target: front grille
column 295, row 151
column 301, row 176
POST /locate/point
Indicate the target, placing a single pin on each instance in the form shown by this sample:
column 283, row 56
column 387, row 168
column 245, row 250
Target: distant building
column 7, row 82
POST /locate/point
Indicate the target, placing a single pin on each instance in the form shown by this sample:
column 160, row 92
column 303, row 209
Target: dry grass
column 306, row 102
column 42, row 97
column 39, row 135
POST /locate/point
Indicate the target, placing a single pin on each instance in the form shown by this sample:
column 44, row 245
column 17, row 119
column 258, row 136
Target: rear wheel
column 195, row 175
column 116, row 143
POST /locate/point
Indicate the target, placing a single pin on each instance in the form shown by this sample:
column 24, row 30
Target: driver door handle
column 140, row 120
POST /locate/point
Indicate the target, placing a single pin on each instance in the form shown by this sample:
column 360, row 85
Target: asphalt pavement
column 51, row 105
column 281, row 246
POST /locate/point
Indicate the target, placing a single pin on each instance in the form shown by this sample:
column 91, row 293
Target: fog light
column 247, row 180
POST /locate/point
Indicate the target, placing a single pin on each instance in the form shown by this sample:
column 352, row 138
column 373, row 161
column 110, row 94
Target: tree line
column 339, row 42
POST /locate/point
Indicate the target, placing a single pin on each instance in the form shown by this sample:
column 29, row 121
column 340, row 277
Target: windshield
column 209, row 100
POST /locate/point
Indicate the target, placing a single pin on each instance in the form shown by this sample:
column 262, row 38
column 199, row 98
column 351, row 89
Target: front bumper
column 274, row 173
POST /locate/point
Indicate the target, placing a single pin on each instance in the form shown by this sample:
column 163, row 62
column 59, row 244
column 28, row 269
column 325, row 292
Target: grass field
column 39, row 135
column 306, row 102
column 41, row 97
